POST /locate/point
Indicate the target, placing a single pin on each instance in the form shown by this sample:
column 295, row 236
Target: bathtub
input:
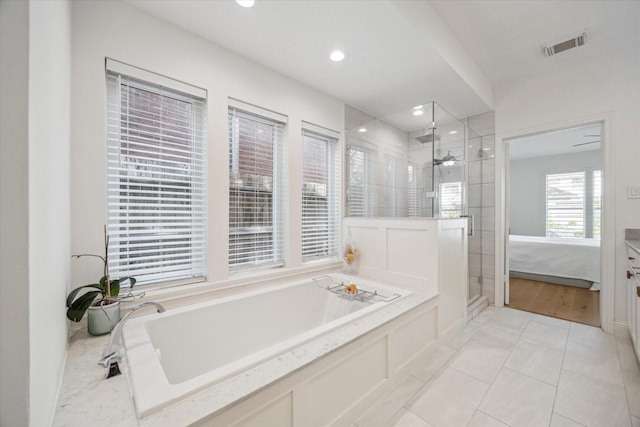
column 176, row 354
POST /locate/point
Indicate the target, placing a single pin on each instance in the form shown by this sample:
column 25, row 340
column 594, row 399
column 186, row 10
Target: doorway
column 553, row 217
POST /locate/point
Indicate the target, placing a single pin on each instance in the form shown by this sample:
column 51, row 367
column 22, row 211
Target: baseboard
column 621, row 329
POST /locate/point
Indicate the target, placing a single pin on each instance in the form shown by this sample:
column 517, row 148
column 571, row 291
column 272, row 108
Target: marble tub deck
column 87, row 398
column 507, row 368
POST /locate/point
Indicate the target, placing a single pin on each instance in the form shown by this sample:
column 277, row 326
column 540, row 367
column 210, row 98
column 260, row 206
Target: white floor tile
column 545, row 335
column 551, row 321
column 518, row 400
column 480, row 419
column 597, row 363
column 450, row 399
column 405, row 418
column 487, row 314
column 591, row 402
column 480, row 360
column 631, row 378
column 499, row 334
column 536, row 361
column 435, row 363
column 382, row 410
column 560, row 421
column 516, row 318
column 591, row 336
column 550, row 372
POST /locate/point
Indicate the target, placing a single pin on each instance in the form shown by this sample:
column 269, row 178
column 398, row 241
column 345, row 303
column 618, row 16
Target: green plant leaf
column 73, row 293
column 115, row 288
column 80, row 305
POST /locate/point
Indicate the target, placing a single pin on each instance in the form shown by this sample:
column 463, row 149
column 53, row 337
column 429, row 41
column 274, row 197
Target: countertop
column 88, row 398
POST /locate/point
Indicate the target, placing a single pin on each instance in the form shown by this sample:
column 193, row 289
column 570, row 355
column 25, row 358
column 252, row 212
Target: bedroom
column 555, row 182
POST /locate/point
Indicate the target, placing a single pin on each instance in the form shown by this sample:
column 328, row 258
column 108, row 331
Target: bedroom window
column 257, row 177
column 573, row 204
column 450, row 199
column 156, row 177
column 320, row 196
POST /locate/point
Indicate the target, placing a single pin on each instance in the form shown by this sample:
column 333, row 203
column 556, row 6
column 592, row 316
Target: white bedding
column 554, row 256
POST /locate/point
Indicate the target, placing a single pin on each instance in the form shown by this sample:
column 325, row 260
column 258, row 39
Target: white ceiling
column 505, row 37
column 564, row 141
column 393, row 61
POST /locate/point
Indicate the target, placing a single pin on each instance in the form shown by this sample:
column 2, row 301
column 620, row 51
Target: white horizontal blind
column 257, row 179
column 394, row 186
column 597, row 203
column 565, row 205
column 412, row 188
column 156, row 187
column 320, row 196
column 361, row 192
column 450, row 199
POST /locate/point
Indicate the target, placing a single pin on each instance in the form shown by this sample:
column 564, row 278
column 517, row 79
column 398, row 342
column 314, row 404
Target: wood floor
column 564, row 302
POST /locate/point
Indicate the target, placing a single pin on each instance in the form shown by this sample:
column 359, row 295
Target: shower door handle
column 470, row 221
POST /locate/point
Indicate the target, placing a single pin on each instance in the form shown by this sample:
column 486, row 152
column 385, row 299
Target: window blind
column 320, row 196
column 156, row 181
column 565, row 205
column 597, row 203
column 412, row 189
column 450, row 199
column 257, row 183
column 361, row 191
column 394, row 186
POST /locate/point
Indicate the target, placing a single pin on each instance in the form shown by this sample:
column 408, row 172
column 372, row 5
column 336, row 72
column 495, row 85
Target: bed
column 567, row 261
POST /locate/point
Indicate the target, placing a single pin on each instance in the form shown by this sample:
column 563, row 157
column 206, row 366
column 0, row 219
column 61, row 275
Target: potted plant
column 101, row 298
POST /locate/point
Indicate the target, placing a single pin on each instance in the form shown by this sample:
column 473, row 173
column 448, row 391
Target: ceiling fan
column 447, row 160
column 588, row 142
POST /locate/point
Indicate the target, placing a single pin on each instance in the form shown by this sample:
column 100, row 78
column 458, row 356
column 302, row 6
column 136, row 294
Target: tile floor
column 513, row 368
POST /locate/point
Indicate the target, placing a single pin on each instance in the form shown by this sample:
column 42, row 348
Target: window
column 394, row 186
column 565, row 205
column 573, row 204
column 597, row 203
column 156, row 210
column 256, row 190
column 361, row 190
column 450, row 198
column 320, row 196
column 413, row 190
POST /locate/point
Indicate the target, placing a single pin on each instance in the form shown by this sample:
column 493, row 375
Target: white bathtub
column 175, row 354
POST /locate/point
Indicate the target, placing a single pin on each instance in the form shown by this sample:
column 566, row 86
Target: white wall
column 14, row 224
column 561, row 93
column 527, row 187
column 146, row 42
column 35, row 208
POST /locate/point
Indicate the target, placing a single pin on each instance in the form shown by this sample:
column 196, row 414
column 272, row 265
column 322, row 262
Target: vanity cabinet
column 633, row 296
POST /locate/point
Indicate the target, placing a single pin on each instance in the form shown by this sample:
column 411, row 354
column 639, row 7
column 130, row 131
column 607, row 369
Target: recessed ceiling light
column 246, row 3
column 418, row 113
column 453, row 132
column 337, row 56
column 362, row 130
column 417, row 107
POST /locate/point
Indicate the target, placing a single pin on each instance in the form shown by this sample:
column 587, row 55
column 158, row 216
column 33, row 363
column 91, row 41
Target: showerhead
column 427, row 138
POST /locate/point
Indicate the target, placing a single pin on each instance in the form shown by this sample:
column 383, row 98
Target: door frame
column 607, row 240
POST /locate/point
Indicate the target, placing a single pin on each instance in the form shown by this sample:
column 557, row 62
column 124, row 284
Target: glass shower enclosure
column 410, row 164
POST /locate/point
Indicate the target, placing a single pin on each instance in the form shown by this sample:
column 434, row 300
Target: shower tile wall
column 481, row 200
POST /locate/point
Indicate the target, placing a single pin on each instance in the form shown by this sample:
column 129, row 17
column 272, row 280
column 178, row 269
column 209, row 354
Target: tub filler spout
column 110, row 358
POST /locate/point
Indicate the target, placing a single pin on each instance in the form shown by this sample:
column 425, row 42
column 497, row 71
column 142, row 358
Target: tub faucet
column 111, row 358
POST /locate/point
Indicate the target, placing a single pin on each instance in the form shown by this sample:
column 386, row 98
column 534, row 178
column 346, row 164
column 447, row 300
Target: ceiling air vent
column 578, row 40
